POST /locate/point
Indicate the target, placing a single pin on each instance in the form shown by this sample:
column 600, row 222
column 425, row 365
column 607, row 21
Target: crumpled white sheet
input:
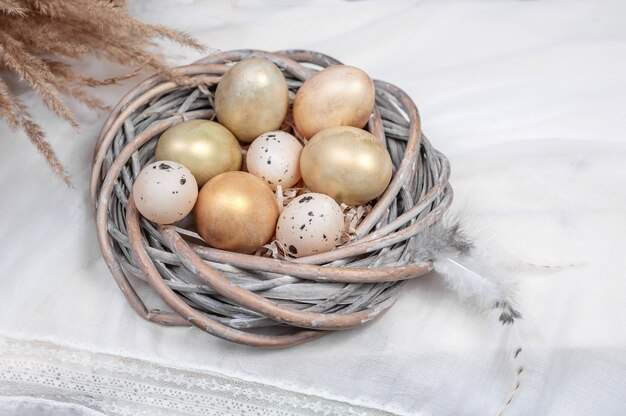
column 526, row 98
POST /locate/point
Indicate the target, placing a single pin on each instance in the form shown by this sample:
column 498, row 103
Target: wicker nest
column 249, row 299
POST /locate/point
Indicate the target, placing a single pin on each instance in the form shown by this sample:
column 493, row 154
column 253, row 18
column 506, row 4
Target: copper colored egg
column 236, row 211
column 346, row 163
column 252, row 98
column 340, row 95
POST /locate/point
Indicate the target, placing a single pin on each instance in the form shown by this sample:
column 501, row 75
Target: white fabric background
column 528, row 100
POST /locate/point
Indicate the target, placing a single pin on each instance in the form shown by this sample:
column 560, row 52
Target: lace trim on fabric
column 121, row 386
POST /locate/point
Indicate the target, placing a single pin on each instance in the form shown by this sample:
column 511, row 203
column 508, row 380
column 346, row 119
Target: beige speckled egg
column 252, row 98
column 310, row 224
column 340, row 95
column 275, row 158
column 165, row 191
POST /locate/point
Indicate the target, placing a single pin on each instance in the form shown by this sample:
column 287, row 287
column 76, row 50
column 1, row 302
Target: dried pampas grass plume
column 40, row 39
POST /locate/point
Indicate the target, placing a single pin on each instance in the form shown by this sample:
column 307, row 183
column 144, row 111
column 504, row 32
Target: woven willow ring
column 254, row 300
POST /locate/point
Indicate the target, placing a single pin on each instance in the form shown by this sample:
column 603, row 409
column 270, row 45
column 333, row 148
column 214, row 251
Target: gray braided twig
column 250, row 299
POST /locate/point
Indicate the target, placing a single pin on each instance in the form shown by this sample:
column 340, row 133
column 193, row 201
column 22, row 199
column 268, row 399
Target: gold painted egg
column 236, row 211
column 205, row 147
column 252, row 98
column 340, row 95
column 346, row 163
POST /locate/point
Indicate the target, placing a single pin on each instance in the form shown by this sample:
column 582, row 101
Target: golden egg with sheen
column 340, row 95
column 252, row 98
column 348, row 164
column 236, row 211
column 204, row 147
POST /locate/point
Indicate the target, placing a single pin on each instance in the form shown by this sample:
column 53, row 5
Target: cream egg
column 310, row 224
column 165, row 192
column 275, row 158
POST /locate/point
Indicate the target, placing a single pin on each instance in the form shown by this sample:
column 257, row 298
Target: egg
column 275, row 158
column 165, row 191
column 252, row 98
column 340, row 95
column 311, row 223
column 349, row 164
column 236, row 211
column 205, row 147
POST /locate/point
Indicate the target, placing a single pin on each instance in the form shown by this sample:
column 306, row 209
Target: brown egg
column 236, row 211
column 340, row 95
column 346, row 163
column 252, row 98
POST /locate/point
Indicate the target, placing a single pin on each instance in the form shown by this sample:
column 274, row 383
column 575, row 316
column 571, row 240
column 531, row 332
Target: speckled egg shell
column 275, row 158
column 310, row 224
column 165, row 192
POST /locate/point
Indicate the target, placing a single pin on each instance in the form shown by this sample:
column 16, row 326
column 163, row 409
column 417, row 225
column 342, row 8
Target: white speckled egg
column 165, row 192
column 310, row 224
column 275, row 158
